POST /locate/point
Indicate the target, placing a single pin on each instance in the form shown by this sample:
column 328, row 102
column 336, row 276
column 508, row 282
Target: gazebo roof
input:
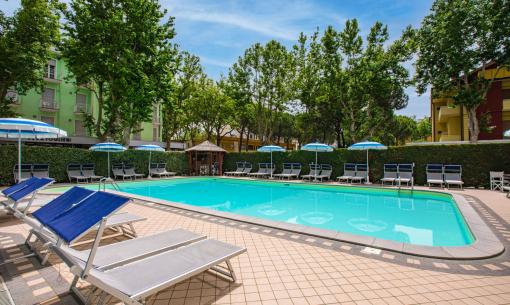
column 206, row 146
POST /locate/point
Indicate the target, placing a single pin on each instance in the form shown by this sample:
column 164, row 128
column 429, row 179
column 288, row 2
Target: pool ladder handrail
column 103, row 181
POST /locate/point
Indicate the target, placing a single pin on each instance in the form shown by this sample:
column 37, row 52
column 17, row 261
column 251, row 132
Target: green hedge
column 476, row 160
column 59, row 157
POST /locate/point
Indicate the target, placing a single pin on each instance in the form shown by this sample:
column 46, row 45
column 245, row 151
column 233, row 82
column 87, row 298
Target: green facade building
column 63, row 104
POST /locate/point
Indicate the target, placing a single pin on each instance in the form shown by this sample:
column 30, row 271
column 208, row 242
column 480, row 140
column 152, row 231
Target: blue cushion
column 61, row 204
column 19, row 186
column 79, row 219
column 29, row 189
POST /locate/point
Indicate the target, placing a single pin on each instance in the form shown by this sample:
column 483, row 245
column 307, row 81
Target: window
column 48, row 120
column 155, row 134
column 81, row 103
column 52, row 68
column 48, row 98
column 79, row 128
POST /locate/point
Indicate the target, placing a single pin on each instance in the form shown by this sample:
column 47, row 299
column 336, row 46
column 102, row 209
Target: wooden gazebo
column 205, row 159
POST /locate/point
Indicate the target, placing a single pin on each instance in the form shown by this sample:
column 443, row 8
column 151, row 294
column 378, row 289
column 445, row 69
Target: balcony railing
column 49, row 105
column 78, row 108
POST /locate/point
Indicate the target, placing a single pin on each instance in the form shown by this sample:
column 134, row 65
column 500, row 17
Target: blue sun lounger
column 23, row 190
column 121, row 222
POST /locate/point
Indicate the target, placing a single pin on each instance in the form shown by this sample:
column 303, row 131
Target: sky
column 219, row 31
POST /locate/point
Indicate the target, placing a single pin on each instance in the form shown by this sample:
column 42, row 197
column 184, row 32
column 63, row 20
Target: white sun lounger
column 435, row 174
column 405, row 174
column 453, row 175
column 157, row 272
column 361, row 174
column 390, row 174
column 349, row 172
column 326, row 171
column 239, row 169
column 315, row 170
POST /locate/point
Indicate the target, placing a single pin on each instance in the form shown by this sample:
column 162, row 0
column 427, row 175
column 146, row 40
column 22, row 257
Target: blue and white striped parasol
column 270, row 149
column 317, row 147
column 367, row 145
column 150, row 148
column 108, row 147
column 18, row 128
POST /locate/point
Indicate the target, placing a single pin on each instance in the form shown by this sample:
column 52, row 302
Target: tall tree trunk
column 241, row 134
column 126, row 136
column 474, row 128
column 247, row 139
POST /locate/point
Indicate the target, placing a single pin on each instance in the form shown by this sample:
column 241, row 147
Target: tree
column 175, row 105
column 375, row 78
column 212, row 108
column 122, row 51
column 237, row 87
column 26, row 41
column 456, row 45
column 266, row 70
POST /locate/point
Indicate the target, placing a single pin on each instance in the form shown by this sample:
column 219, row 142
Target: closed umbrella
column 150, row 148
column 17, row 128
column 270, row 149
column 108, row 147
column 367, row 145
column 317, row 147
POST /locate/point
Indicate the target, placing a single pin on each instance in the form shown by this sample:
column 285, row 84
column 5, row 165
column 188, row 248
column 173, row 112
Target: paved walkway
column 282, row 268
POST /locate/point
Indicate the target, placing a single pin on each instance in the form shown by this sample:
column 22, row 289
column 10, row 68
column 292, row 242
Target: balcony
column 52, row 80
column 49, row 106
column 445, row 113
column 444, row 137
column 81, row 109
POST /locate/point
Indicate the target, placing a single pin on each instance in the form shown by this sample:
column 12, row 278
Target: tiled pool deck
column 289, row 268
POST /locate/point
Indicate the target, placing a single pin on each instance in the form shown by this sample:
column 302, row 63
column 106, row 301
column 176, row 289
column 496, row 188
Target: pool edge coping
column 486, row 244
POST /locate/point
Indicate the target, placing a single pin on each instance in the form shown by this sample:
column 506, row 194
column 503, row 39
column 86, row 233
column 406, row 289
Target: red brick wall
column 494, row 106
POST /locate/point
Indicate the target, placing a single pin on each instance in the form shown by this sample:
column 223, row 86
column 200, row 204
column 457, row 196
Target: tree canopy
column 456, row 44
column 26, row 42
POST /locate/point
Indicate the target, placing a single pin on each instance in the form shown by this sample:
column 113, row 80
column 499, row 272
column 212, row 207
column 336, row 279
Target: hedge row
column 59, row 157
column 476, row 160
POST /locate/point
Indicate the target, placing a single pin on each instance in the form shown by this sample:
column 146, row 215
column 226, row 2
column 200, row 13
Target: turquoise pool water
column 420, row 217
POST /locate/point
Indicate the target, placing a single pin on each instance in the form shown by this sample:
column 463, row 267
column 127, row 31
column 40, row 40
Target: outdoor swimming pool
column 418, row 217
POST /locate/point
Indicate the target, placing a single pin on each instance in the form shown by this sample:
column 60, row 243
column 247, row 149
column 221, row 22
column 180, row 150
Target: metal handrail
column 105, row 180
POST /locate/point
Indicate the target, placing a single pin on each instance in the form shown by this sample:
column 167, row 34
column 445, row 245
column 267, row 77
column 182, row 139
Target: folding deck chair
column 390, row 174
column 453, row 175
column 435, row 174
column 349, row 172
